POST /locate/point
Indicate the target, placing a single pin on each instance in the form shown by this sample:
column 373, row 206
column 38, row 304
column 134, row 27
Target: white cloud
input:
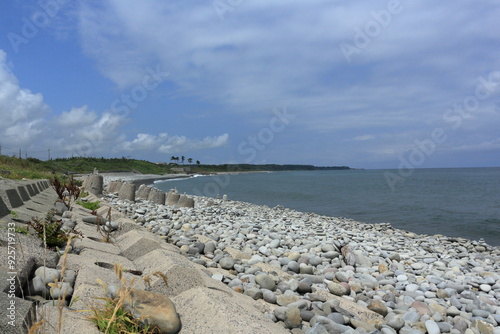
column 77, row 116
column 28, row 124
column 17, row 105
column 180, row 144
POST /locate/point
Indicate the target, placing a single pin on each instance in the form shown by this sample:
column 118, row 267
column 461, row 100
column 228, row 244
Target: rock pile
column 318, row 274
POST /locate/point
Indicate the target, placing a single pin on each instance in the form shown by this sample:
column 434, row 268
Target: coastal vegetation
column 31, row 168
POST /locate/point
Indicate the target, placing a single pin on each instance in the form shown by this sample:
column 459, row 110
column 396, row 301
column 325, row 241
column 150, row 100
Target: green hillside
column 15, row 168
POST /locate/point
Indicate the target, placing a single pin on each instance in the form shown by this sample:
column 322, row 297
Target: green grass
column 36, row 169
column 23, row 168
column 89, row 205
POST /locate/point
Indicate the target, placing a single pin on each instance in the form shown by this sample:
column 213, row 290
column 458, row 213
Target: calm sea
column 457, row 202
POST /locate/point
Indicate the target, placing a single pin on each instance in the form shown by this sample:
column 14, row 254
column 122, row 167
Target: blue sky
column 369, row 84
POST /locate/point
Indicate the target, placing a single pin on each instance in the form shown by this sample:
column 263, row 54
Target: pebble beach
column 383, row 279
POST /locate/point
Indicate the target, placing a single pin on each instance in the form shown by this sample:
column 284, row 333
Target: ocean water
column 457, row 202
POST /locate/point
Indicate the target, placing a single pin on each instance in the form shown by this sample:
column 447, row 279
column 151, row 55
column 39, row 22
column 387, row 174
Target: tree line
column 182, row 159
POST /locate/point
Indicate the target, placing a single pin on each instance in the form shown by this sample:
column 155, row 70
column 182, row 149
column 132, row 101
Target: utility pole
column 20, row 157
column 49, row 153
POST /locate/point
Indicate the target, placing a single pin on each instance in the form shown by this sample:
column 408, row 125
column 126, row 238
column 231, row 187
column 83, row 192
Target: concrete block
column 24, row 194
column 72, row 322
column 114, row 186
column 180, row 272
column 4, row 210
column 35, row 188
column 94, row 184
column 156, row 196
column 30, row 189
column 93, row 243
column 24, row 312
column 172, row 198
column 14, row 198
column 90, row 273
column 185, row 202
column 87, row 295
column 143, row 191
column 127, row 192
column 137, row 243
column 227, row 313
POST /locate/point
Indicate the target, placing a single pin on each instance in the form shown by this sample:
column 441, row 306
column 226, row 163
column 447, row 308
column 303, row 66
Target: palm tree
column 172, row 158
column 182, row 158
column 190, row 160
column 198, row 162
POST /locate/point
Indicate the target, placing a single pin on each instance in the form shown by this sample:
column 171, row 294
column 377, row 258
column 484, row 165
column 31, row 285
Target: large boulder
column 152, row 308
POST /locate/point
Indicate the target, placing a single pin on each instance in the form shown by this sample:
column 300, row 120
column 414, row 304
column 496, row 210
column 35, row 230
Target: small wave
column 173, row 179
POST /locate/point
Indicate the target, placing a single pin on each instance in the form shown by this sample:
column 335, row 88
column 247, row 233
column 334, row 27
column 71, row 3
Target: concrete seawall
column 24, row 197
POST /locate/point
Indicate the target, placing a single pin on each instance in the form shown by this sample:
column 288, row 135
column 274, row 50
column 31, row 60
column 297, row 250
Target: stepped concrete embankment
column 201, row 303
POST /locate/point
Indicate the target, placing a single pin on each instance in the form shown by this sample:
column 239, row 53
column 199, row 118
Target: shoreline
column 148, row 179
column 377, row 275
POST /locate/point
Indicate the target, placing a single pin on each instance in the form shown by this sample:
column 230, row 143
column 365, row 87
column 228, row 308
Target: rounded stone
column 378, row 306
column 62, row 290
column 304, row 287
column 432, row 327
column 293, row 266
column 158, row 309
column 284, row 300
column 402, row 278
column 306, row 269
column 226, row 263
column 485, row 287
column 210, row 247
column 292, row 318
column 269, row 296
column 48, row 275
column 254, row 293
column 265, row 281
column 342, row 276
column 337, row 289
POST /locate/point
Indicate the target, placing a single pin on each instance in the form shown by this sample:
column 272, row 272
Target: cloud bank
column 29, row 124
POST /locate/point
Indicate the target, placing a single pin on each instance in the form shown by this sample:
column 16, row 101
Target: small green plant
column 50, row 230
column 21, row 230
column 111, row 317
column 92, row 206
column 13, row 214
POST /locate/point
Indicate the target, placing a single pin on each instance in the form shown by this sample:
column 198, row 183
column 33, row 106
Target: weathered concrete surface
column 205, row 305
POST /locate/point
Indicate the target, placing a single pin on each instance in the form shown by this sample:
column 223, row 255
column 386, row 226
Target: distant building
column 181, row 169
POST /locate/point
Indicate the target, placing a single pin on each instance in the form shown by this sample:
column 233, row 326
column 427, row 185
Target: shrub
column 50, row 230
column 92, row 206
